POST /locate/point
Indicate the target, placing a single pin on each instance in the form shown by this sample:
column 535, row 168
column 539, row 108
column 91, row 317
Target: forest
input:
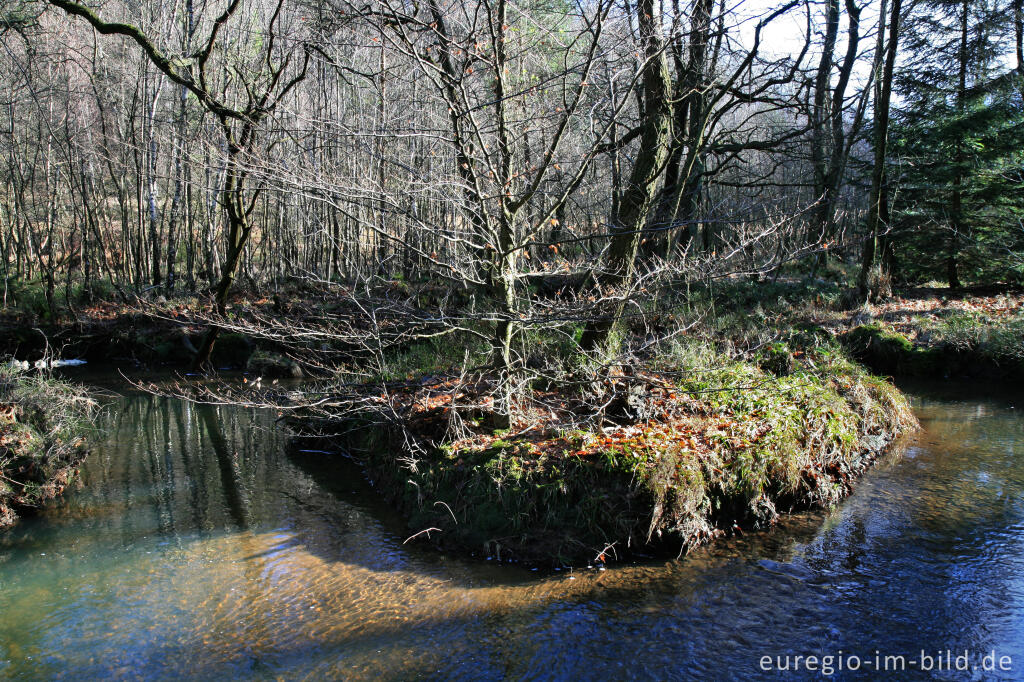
column 543, row 246
column 511, row 339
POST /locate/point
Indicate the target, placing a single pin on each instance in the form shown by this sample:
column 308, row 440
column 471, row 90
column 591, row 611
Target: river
column 199, row 547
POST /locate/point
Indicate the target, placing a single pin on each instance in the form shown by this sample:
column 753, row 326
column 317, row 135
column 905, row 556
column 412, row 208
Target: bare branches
column 178, row 70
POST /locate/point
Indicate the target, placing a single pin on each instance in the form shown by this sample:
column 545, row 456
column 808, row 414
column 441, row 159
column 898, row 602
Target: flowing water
column 199, row 547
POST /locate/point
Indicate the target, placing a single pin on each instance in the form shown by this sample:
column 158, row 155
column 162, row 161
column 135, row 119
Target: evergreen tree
column 957, row 146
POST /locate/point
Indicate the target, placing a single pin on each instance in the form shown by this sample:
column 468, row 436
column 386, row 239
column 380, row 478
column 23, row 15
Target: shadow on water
column 199, row 549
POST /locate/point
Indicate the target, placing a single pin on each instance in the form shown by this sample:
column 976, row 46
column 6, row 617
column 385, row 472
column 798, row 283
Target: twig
column 425, row 530
column 449, row 511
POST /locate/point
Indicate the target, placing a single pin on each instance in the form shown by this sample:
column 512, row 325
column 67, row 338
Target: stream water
column 199, row 547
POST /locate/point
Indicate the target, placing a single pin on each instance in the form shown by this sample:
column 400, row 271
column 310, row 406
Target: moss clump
column 956, row 345
column 796, row 441
column 41, row 446
column 887, row 351
column 726, row 445
column 777, row 359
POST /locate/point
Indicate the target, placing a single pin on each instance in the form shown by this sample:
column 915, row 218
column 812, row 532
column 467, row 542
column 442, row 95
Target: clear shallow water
column 198, row 548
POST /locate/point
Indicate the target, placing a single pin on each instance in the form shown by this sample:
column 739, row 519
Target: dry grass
column 41, row 439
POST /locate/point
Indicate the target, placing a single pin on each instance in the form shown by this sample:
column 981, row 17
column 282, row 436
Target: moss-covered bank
column 41, row 440
column 686, row 454
column 973, row 350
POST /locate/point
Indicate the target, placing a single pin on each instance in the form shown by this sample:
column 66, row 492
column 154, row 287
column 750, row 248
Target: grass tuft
column 41, row 443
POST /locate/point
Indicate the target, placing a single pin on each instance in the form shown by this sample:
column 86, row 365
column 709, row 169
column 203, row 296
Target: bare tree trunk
column 684, row 168
column 638, row 197
column 839, row 151
column 879, row 190
column 235, row 204
column 820, row 119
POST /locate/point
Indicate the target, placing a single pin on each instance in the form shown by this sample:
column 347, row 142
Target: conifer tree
column 957, row 145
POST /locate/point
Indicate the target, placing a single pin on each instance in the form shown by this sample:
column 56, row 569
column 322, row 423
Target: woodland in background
column 571, row 271
column 547, row 165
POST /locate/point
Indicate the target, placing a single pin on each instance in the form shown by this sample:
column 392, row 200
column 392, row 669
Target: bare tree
column 241, row 99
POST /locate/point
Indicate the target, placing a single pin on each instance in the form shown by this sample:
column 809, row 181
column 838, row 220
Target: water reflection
column 199, row 549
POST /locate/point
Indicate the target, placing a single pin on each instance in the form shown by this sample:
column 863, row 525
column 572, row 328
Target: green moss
column 764, row 444
column 887, row 351
column 777, row 359
column 959, row 344
column 878, row 336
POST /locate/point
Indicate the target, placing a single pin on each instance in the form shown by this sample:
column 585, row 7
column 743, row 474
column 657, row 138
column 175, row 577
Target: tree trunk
column 638, row 198
column 820, row 119
column 839, row 152
column 959, row 224
column 238, row 232
column 879, row 190
column 684, row 171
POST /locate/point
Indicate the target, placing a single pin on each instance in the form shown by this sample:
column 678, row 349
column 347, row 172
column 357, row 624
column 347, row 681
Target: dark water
column 199, row 549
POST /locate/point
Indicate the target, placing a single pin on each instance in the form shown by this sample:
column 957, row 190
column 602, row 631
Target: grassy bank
column 42, row 421
column 938, row 333
column 696, row 446
column 922, row 331
column 926, row 331
column 731, row 403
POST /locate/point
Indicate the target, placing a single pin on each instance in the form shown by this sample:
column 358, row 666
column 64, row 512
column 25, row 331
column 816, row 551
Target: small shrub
column 40, row 438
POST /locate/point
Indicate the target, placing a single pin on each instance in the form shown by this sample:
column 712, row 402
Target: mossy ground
column 42, row 423
column 974, row 336
column 925, row 332
column 701, row 445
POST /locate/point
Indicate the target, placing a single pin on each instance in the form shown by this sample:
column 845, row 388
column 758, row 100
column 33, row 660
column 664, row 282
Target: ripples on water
column 198, row 548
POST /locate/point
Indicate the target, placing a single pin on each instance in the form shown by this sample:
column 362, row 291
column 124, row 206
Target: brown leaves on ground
column 551, row 425
column 899, row 311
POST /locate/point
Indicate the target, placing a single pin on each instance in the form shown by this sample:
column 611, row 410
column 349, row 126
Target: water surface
column 199, row 547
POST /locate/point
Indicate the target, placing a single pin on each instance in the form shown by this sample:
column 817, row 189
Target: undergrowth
column 42, row 422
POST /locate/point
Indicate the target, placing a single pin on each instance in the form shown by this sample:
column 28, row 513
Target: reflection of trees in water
column 973, row 453
column 325, row 591
column 183, row 467
column 226, row 464
column 198, row 494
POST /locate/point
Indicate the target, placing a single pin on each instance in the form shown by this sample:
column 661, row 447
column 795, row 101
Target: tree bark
column 879, row 189
column 638, row 197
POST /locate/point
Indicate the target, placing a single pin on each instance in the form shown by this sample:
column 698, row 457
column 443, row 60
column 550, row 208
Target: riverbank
column 316, row 582
column 293, row 330
column 968, row 333
column 42, row 421
column 150, row 335
column 731, row 404
column 696, row 447
column 308, row 329
column 943, row 333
